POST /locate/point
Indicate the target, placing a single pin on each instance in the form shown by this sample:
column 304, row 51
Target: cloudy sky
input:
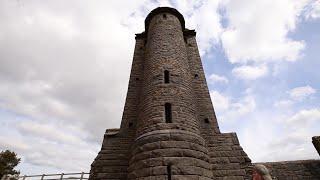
column 64, row 70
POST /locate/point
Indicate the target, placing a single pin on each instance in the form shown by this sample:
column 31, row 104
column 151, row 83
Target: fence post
column 24, row 177
column 42, row 177
column 81, row 177
column 61, row 177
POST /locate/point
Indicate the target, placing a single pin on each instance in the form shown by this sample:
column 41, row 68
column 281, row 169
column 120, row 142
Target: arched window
column 168, row 113
column 166, row 76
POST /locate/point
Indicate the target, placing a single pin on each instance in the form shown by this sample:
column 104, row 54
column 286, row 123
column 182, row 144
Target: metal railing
column 61, row 176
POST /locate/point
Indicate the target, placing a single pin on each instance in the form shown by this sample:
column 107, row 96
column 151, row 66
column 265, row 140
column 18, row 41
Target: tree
column 8, row 160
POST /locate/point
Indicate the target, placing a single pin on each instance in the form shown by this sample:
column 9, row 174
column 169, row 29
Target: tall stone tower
column 169, row 129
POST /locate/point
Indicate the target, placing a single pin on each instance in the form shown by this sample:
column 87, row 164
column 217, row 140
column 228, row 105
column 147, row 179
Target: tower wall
column 190, row 145
column 160, row 145
column 205, row 112
column 228, row 159
column 113, row 159
column 165, row 50
column 130, row 115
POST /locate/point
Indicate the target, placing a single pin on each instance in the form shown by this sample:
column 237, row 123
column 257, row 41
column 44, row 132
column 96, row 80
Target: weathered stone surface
column 190, row 145
column 305, row 169
column 316, row 143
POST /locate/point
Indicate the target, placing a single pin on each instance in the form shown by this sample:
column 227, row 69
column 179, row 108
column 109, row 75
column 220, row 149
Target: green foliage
column 8, row 160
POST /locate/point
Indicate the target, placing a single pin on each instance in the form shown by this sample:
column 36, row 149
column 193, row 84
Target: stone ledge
column 112, row 132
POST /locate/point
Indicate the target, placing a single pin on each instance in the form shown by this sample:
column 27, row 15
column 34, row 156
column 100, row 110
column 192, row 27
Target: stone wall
column 112, row 160
column 316, row 143
column 147, row 146
column 301, row 170
column 227, row 157
column 205, row 111
column 165, row 50
column 167, row 149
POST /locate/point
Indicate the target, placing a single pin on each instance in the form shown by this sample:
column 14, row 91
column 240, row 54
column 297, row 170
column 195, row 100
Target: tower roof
column 164, row 10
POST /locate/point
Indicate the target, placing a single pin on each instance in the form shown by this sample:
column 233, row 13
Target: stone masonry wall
column 290, row 170
column 165, row 50
column 316, row 143
column 113, row 158
column 189, row 147
column 228, row 158
column 129, row 117
column 226, row 155
column 112, row 161
column 205, row 111
column 160, row 145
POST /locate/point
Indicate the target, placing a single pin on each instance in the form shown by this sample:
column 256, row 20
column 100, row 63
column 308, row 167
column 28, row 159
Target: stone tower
column 169, row 129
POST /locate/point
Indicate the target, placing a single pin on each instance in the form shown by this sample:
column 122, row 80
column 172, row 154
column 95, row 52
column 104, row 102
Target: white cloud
column 44, row 148
column 65, row 70
column 295, row 142
column 302, row 92
column 292, row 146
column 207, row 16
column 270, row 136
column 250, row 72
column 296, row 94
column 313, row 10
column 229, row 109
column 283, row 104
column 198, row 15
column 257, row 31
column 221, row 102
column 50, row 132
column 244, row 106
column 304, row 117
column 13, row 143
column 202, row 15
column 213, row 78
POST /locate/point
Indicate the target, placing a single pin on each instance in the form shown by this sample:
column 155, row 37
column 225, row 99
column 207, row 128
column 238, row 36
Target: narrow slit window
column 168, row 113
column 206, row 120
column 166, row 76
column 164, row 16
column 169, row 172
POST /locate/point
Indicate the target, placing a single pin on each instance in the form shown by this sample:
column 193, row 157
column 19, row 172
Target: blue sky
column 65, row 68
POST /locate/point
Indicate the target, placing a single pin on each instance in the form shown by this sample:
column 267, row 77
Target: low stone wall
column 228, row 158
column 304, row 169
